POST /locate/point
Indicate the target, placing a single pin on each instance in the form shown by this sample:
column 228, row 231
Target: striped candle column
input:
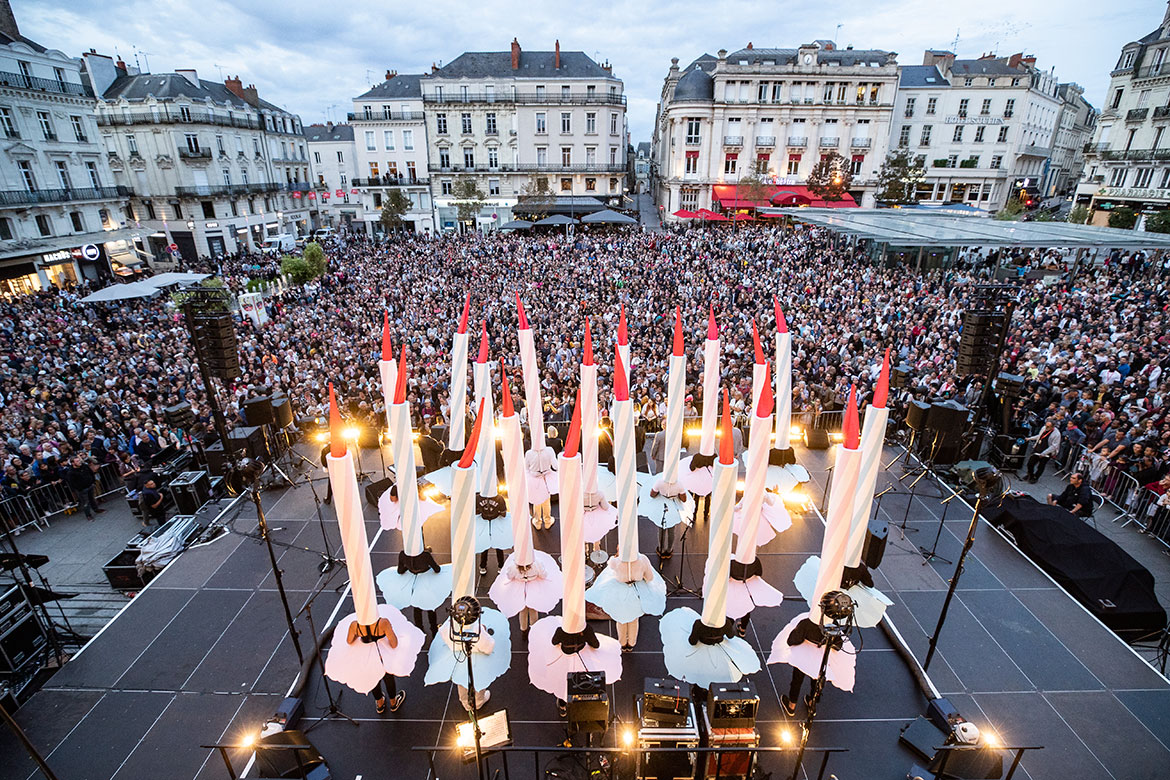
column 757, row 471
column 588, row 416
column 388, row 371
column 783, row 379
column 515, row 476
column 402, row 438
column 872, row 435
column 572, row 528
column 531, row 374
column 758, row 367
column 675, row 396
column 485, row 458
column 624, row 453
column 347, row 505
column 719, row 540
column 710, row 386
column 623, row 344
column 463, row 518
column 458, row 395
column 838, row 517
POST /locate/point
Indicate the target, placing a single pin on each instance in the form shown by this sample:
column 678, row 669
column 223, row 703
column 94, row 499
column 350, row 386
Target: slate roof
column 168, row 86
column 322, row 133
column 844, row 57
column 995, row 67
column 695, row 84
column 533, row 64
column 920, row 76
column 7, row 39
column 402, row 86
column 644, row 148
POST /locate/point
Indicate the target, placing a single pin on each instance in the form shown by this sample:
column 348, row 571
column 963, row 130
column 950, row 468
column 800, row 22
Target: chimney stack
column 749, row 45
column 1015, row 59
column 120, row 65
column 390, row 74
column 8, row 21
column 235, row 87
column 515, row 54
column 557, row 58
column 251, row 96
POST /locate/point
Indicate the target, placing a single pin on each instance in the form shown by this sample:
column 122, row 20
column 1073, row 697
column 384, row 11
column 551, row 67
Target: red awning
column 710, row 216
column 742, row 218
column 732, row 203
column 799, row 195
column 684, row 214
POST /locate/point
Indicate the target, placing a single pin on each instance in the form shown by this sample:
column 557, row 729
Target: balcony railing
column 380, row 116
column 1092, row 148
column 1032, row 150
column 533, row 167
column 797, row 140
column 195, row 154
column 26, row 197
column 1136, row 154
column 1162, row 112
column 733, row 140
column 21, row 81
column 232, row 190
column 388, row 181
column 168, row 114
column 290, row 160
column 297, row 186
column 829, row 142
column 1150, row 71
column 1136, row 114
column 861, row 143
column 552, row 98
column 765, row 140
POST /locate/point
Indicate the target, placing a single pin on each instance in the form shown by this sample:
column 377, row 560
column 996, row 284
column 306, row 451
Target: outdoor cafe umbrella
column 557, row 219
column 121, row 292
column 609, row 217
column 516, row 224
column 684, row 214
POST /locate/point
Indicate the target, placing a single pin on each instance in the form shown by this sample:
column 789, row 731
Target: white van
column 320, row 234
column 283, row 242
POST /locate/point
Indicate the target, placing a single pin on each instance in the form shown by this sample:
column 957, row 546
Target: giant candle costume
column 600, row 516
column 670, row 506
column 540, row 461
column 493, row 527
column 784, row 472
column 560, row 644
column 791, row 646
column 703, row 650
column 376, row 639
column 696, row 472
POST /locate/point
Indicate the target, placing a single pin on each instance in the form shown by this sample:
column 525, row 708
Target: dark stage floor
column 202, row 655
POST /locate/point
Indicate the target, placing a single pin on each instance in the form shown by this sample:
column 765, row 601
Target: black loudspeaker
column 249, row 440
column 665, row 701
column 374, row 490
column 874, row 548
column 216, row 334
column 588, row 702
column 180, row 416
column 282, row 411
column 816, row 438
column 948, row 418
column 305, row 761
column 916, row 415
column 900, row 376
column 1010, row 385
column 733, row 705
column 258, row 410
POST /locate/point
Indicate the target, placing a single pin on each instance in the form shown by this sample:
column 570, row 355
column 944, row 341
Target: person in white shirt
column 1047, row 445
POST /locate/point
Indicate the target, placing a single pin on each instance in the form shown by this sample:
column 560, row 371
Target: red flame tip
column 678, row 332
column 472, row 441
column 621, row 385
column 726, row 449
column 483, row 345
column 336, row 433
column 852, row 427
column 756, row 344
column 573, row 437
column 466, row 312
column 387, row 349
column 781, row 323
column 882, row 392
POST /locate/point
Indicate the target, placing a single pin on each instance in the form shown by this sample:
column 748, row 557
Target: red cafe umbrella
column 684, row 214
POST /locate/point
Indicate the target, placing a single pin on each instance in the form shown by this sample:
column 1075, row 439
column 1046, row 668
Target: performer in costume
column 441, row 477
column 673, row 508
column 801, row 643
column 696, row 472
column 628, row 587
column 704, row 649
column 418, row 580
column 375, row 643
column 747, row 588
column 784, row 473
column 491, row 653
column 529, row 581
column 540, row 461
column 562, row 644
column 600, row 517
column 493, row 527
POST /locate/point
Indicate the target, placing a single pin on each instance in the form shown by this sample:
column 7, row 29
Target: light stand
column 251, row 470
column 465, row 628
column 838, row 609
column 990, row 482
column 334, row 710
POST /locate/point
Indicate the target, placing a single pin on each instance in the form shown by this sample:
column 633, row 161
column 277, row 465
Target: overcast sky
column 313, row 58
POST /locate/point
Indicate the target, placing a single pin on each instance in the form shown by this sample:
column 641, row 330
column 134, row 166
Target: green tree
column 468, row 198
column 1158, row 223
column 315, row 256
column 830, row 177
column 297, row 269
column 899, row 178
column 1079, row 215
column 754, row 186
column 537, row 196
column 1011, row 211
column 393, row 209
column 1124, row 218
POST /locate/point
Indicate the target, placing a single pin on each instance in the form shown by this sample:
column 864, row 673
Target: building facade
column 1127, row 164
column 507, row 120
column 772, row 111
column 983, row 129
column 62, row 219
column 642, row 168
column 1074, row 130
column 214, row 169
column 391, row 152
column 334, row 160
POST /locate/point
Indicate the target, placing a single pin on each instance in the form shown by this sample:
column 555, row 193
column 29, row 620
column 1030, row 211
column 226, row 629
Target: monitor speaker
column 874, row 548
column 916, row 415
column 588, row 702
column 948, row 418
column 258, row 410
column 282, row 411
column 733, row 705
column 816, row 438
column 374, row 490
column 306, row 761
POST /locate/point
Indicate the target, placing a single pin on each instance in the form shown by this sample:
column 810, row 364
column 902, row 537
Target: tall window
column 963, row 106
column 542, row 156
column 227, row 177
column 46, row 123
column 493, row 157
column 729, row 162
column 491, row 124
column 931, row 105
column 78, row 129
column 958, row 135
column 985, row 109
column 565, row 92
column 855, row 164
column 1010, row 106
column 92, row 169
column 192, row 143
column 904, row 136
column 340, row 157
column 997, row 161
column 468, row 157
column 924, row 139
column 408, row 140
column 541, row 122
column 44, row 225
column 441, row 124
column 1003, row 133
column 692, row 131
column 591, row 122
column 590, row 155
column 566, row 122
column 63, row 174
column 493, row 186
column 8, row 124
column 465, row 123
column 566, row 156
column 185, row 113
column 692, row 162
column 793, row 164
column 6, row 229
column 979, row 134
column 444, row 157
column 910, row 106
column 387, row 140
column 370, row 145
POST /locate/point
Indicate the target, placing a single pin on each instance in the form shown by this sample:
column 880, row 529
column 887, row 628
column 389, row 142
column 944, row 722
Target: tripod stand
column 931, row 554
column 334, row 710
column 676, row 586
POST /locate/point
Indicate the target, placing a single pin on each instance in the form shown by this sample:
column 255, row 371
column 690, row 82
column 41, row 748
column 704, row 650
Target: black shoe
column 562, row 708
column 740, row 630
column 788, row 704
column 380, row 705
column 665, row 554
column 396, row 702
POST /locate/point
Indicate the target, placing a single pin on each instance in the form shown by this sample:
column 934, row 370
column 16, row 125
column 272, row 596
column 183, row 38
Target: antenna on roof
column 368, row 80
column 220, row 69
column 955, row 43
column 837, row 35
column 144, row 54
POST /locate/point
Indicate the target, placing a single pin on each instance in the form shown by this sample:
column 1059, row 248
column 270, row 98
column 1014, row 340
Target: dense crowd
column 93, row 380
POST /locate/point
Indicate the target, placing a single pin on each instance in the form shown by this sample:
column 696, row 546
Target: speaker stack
column 216, row 333
column 730, row 720
column 180, row 416
column 979, row 343
column 945, row 423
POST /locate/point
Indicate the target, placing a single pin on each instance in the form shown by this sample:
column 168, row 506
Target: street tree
column 899, row 178
column 468, row 199
column 830, row 177
column 394, row 208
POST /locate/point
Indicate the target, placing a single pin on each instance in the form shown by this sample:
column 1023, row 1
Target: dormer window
column 1127, row 58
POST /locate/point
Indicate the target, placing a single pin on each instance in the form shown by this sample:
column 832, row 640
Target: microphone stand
column 334, row 710
column 928, row 555
column 676, row 586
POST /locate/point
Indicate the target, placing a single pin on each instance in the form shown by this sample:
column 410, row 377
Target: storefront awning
column 799, row 195
column 740, row 203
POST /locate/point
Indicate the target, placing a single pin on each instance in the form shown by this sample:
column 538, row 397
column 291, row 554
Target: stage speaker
column 190, row 490
column 900, row 376
column 1010, row 385
column 916, row 415
column 948, row 418
column 216, row 336
column 249, row 440
column 733, row 705
column 665, row 701
column 874, row 548
column 374, row 490
column 282, row 411
column 588, row 702
column 258, row 410
column 180, row 416
column 306, row 761
column 816, row 438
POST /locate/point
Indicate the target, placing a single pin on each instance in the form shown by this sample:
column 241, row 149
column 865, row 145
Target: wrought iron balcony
column 27, row 197
column 166, row 113
column 195, row 154
column 829, row 142
column 389, row 181
column 733, row 140
column 381, row 116
column 765, row 140
column 861, row 143
column 550, row 98
column 21, row 81
column 1162, row 112
column 1136, row 114
column 797, row 140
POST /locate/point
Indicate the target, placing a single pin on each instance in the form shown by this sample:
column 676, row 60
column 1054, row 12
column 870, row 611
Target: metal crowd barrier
column 52, row 499
column 108, row 480
column 1114, row 484
column 1150, row 511
column 56, row 498
column 17, row 513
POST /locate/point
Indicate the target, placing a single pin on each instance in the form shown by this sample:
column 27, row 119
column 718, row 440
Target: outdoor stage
column 203, row 656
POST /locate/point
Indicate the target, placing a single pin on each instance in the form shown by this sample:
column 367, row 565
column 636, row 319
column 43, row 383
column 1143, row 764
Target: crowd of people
column 84, row 385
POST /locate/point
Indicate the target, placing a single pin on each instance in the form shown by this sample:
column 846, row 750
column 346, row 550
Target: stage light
column 323, row 437
column 248, row 741
column 431, row 492
column 628, row 737
column 502, row 487
column 415, row 435
column 837, row 437
column 991, row 740
column 787, row 737
column 795, row 434
column 352, row 432
column 739, row 486
column 794, row 496
column 465, row 735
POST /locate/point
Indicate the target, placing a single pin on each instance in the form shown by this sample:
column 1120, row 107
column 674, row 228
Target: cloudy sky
column 313, row 58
